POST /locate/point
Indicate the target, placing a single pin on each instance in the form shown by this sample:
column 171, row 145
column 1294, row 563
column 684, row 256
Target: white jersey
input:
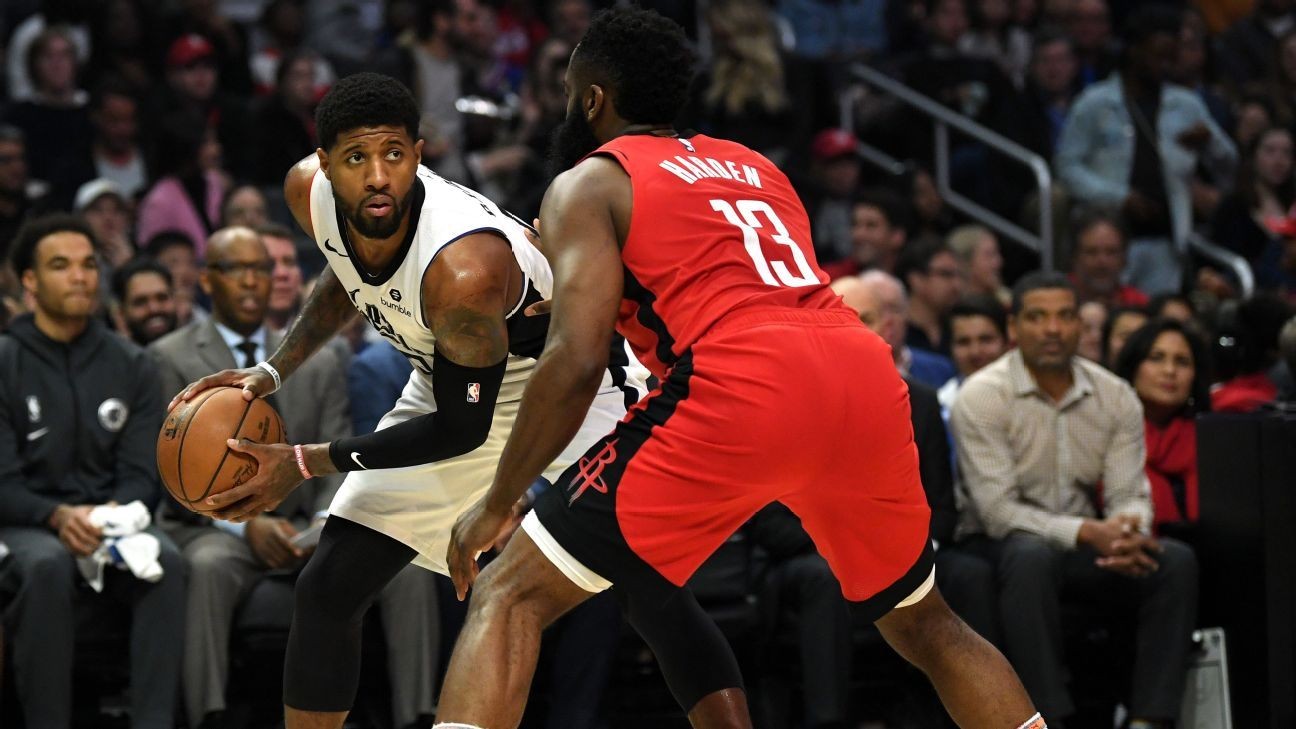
column 418, row 505
column 443, row 212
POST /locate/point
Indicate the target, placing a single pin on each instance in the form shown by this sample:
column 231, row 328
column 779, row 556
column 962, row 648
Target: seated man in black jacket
column 79, row 416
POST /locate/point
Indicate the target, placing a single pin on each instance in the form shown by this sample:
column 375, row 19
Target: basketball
column 192, row 456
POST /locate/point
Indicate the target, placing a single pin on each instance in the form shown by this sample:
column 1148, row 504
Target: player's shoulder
column 297, row 190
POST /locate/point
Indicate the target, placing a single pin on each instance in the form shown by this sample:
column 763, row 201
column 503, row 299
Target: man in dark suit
column 226, row 560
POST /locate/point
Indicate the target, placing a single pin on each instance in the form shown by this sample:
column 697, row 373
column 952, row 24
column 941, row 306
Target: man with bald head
column 929, row 368
column 226, row 560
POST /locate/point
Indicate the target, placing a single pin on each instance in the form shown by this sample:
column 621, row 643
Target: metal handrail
column 1223, row 256
column 943, row 119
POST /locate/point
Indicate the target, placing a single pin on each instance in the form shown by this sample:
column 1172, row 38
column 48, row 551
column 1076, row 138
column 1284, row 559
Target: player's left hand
column 473, row 533
column 277, row 475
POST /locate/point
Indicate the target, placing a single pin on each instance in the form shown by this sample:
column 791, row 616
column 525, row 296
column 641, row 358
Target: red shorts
column 803, row 407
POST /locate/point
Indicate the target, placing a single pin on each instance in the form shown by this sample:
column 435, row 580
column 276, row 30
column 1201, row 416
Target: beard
column 152, row 328
column 572, row 140
column 375, row 228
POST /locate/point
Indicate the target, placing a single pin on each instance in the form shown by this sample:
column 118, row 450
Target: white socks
column 1035, row 722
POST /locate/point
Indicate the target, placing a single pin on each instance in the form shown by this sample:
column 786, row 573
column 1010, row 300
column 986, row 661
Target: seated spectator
column 828, row 195
column 1089, row 25
column 1121, row 323
column 879, row 222
column 20, row 196
column 1246, row 50
column 115, row 148
column 932, row 217
column 121, row 48
column 79, row 428
column 1265, row 191
column 1093, row 319
column 977, row 250
column 71, row 15
column 1166, row 364
column 104, row 207
column 929, row 368
column 284, row 122
column 995, row 38
column 375, row 379
column 1097, row 260
column 931, row 275
column 1041, row 515
column 978, row 336
column 175, row 251
column 146, row 301
column 196, row 85
column 225, row 560
column 1279, row 266
column 1149, row 174
column 282, row 25
column 1246, row 352
column 286, row 282
column 1173, row 306
column 185, row 197
column 246, row 206
column 55, row 120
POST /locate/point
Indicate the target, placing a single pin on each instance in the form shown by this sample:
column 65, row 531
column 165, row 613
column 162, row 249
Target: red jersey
column 715, row 228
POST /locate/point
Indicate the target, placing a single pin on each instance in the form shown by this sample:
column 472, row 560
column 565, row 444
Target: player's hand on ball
column 474, row 532
column 255, row 382
column 277, row 475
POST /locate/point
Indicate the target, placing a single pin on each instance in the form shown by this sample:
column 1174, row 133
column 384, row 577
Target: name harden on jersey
column 691, row 169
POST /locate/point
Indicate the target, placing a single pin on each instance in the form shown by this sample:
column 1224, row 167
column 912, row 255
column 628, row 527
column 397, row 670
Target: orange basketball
column 192, row 456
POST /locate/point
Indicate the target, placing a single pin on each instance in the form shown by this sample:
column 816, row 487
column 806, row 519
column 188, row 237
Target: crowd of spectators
column 142, row 151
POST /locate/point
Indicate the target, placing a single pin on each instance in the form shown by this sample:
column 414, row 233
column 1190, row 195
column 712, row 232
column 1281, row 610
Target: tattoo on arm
column 470, row 337
column 323, row 315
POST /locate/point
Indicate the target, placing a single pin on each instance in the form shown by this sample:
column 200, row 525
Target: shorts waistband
column 748, row 318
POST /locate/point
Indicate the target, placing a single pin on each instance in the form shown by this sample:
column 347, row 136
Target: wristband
column 274, row 374
column 301, row 462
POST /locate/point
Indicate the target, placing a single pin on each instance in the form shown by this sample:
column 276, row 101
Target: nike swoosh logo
column 354, row 456
column 38, row 433
column 328, row 245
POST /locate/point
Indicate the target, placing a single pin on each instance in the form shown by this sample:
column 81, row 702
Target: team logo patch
column 395, row 295
column 33, row 409
column 590, row 474
column 474, row 392
column 112, row 414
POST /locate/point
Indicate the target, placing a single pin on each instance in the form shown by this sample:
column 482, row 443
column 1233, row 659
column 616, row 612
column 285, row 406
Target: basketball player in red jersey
column 699, row 253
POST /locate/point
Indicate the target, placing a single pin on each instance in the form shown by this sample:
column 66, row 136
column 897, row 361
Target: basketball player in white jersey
column 445, row 275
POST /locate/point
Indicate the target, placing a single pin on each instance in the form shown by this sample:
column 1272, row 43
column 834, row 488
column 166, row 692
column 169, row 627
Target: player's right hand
column 255, row 382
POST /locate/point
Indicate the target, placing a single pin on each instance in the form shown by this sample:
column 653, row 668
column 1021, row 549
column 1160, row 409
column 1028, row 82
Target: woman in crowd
column 978, row 252
column 1265, row 190
column 1166, row 363
column 1121, row 323
column 188, row 193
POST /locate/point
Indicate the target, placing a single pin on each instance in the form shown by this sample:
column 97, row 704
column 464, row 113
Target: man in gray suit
column 226, row 560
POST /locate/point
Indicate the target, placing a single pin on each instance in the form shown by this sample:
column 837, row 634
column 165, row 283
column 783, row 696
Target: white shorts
column 418, row 505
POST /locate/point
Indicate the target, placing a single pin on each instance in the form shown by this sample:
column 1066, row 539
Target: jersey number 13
column 743, row 214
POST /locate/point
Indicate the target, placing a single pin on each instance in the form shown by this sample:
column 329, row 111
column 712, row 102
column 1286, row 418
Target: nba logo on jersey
column 474, row 391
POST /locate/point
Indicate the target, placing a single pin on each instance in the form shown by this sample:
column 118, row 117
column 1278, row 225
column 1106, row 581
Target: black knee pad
column 695, row 658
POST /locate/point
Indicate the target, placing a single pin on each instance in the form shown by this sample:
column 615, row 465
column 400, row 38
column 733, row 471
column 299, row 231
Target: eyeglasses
column 236, row 270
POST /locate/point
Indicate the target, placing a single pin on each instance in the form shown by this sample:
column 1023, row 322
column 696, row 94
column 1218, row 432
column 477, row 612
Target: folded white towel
column 125, row 546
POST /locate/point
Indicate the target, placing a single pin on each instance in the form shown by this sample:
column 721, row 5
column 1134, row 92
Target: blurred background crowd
column 1167, row 130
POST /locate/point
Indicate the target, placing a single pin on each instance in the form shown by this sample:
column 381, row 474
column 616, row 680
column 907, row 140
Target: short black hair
column 1036, row 281
column 134, row 267
column 893, row 206
column 983, row 306
column 1139, row 346
column 1091, row 218
column 647, row 60
column 23, row 253
column 166, row 239
column 365, row 100
column 1149, row 19
column 917, row 257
